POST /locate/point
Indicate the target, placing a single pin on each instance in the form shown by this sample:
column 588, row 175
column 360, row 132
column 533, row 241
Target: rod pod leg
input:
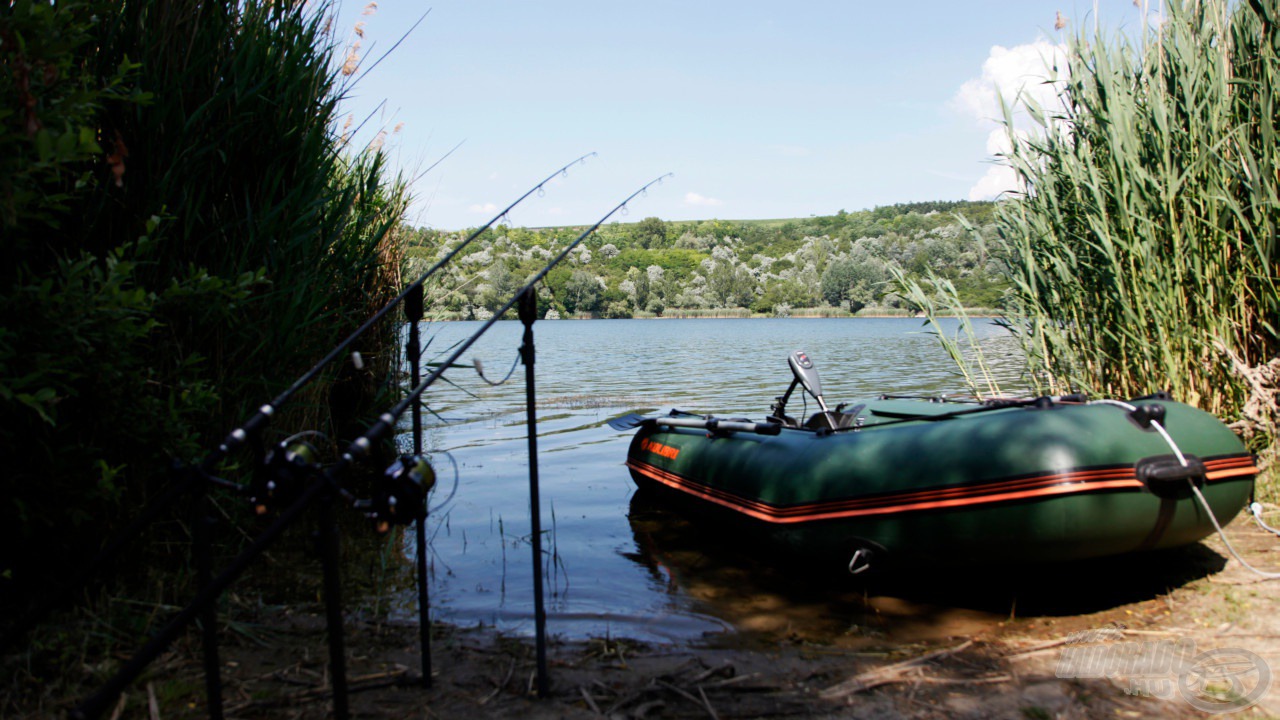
column 528, row 310
column 327, row 544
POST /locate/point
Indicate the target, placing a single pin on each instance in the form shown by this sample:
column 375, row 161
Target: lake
column 617, row 567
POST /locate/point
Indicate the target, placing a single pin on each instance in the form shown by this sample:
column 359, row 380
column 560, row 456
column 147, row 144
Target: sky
column 759, row 109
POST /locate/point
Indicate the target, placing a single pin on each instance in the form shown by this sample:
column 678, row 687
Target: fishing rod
column 362, row 445
column 324, row 487
column 248, row 429
column 255, row 423
column 401, row 497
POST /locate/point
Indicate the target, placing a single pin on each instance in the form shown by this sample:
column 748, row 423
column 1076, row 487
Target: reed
column 940, row 300
column 238, row 152
column 1141, row 249
column 187, row 231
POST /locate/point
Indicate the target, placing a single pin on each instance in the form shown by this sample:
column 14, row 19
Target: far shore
column 975, row 313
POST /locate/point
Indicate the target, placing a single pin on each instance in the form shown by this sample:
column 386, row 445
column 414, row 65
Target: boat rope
column 1255, row 509
column 1196, row 491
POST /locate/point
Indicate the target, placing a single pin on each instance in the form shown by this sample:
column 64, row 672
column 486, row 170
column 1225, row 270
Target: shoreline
column 1020, row 666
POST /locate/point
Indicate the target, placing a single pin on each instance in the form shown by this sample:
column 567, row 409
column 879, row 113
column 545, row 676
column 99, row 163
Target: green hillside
column 829, row 265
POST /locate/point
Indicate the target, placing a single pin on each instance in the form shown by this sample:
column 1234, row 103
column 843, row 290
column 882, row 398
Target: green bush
column 185, row 233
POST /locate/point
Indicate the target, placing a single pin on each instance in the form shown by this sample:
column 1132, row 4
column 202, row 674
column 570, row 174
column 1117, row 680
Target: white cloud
column 555, row 211
column 693, row 198
column 1017, row 74
column 1023, row 70
column 485, row 208
column 998, row 180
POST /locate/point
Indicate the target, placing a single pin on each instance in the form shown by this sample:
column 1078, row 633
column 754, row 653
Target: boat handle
column 717, row 425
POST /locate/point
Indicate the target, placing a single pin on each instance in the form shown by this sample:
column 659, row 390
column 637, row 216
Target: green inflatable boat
column 934, row 481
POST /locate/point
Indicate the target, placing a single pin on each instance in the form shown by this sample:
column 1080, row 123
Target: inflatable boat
column 938, row 481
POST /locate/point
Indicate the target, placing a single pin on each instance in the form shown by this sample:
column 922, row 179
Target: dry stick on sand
column 897, row 672
column 153, row 705
column 710, row 710
column 590, row 700
column 1038, row 649
column 360, row 683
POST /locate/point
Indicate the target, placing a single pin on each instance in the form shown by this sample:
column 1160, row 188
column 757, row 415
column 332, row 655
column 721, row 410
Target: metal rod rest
column 528, row 314
column 327, row 541
column 413, row 313
column 202, row 541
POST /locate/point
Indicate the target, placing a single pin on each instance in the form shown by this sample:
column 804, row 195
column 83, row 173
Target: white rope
column 1223, row 535
column 1255, row 509
column 1200, row 496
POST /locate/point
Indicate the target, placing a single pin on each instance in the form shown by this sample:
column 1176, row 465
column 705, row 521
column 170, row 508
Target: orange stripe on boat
column 1073, row 482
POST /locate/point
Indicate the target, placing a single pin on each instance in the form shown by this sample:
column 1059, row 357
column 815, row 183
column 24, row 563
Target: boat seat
column 838, row 420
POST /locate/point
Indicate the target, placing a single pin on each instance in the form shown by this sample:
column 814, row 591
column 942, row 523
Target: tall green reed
column 1141, row 249
column 186, row 231
column 937, row 297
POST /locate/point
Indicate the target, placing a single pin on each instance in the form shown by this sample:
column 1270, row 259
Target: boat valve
column 401, row 494
column 282, row 476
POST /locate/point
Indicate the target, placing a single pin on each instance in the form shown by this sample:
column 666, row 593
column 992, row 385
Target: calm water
column 618, row 567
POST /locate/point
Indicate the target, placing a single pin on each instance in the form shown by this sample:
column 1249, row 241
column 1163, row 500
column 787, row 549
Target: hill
column 831, row 264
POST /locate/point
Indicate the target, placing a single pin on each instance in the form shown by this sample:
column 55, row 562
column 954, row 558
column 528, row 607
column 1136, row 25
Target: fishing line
column 442, row 158
column 457, row 474
column 350, row 134
column 304, row 433
column 480, row 371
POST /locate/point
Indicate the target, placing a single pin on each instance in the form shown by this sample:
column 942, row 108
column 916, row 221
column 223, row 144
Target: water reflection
column 755, row 591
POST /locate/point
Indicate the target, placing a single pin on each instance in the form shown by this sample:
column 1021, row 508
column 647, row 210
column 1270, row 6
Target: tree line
column 832, row 264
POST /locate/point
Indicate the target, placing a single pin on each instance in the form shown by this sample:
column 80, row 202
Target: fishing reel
column 400, row 495
column 286, row 471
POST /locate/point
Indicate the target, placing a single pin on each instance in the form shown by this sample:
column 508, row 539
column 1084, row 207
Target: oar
column 630, row 421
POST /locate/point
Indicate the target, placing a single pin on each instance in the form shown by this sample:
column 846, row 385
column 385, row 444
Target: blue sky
column 760, row 109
